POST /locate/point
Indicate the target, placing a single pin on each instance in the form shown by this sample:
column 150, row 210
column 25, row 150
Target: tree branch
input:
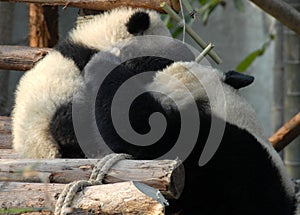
column 282, row 11
column 104, row 4
column 286, row 134
column 20, row 57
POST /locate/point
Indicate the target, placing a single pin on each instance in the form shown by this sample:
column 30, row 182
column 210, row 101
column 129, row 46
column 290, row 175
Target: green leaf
column 177, row 32
column 203, row 2
column 243, row 66
column 188, row 5
column 208, row 8
column 205, row 15
column 248, row 61
column 239, row 5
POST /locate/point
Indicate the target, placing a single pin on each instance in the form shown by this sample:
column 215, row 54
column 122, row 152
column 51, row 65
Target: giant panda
column 45, row 92
column 245, row 175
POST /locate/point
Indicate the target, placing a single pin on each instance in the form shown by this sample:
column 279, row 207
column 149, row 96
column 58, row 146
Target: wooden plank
column 119, row 198
column 164, row 175
column 105, row 4
column 20, row 57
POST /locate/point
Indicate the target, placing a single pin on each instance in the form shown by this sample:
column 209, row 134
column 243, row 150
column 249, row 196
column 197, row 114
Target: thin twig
column 191, row 32
column 204, row 52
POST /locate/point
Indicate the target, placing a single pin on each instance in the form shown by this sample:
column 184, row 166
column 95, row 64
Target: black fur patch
column 140, row 110
column 78, row 53
column 61, row 128
column 138, row 23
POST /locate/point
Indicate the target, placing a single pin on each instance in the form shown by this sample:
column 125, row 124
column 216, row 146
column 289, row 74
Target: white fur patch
column 175, row 79
column 41, row 90
column 107, row 29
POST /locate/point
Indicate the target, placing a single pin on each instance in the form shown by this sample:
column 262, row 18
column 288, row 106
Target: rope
column 64, row 202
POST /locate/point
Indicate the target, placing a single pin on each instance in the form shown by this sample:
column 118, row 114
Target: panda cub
column 44, row 94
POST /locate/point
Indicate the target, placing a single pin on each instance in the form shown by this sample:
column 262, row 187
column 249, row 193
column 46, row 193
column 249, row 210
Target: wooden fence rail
column 20, row 58
column 105, row 4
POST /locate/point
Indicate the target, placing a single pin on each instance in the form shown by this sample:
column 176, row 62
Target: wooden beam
column 119, row 198
column 282, row 11
column 164, row 175
column 20, row 58
column 105, row 4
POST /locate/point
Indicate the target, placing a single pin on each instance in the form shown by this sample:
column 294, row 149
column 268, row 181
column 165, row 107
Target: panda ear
column 138, row 23
column 238, row 80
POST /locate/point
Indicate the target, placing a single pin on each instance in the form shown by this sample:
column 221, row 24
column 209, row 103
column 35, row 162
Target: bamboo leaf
column 208, row 8
column 203, row 2
column 244, row 64
column 248, row 61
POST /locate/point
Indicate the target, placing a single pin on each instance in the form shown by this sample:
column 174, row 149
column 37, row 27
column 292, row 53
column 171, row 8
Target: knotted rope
column 64, row 202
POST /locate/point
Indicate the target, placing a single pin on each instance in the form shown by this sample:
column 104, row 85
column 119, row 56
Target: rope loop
column 64, row 202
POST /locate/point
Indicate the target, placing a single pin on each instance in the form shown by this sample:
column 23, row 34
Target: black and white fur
column 244, row 177
column 44, row 94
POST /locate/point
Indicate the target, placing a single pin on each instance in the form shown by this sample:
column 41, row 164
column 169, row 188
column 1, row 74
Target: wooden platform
column 31, row 186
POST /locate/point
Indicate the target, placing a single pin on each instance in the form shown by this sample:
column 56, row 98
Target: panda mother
column 244, row 177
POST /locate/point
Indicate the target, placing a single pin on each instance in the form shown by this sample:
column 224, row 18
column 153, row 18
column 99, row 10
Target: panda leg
column 62, row 130
column 33, row 140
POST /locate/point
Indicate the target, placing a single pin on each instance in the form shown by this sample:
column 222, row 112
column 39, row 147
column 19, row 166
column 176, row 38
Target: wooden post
column 292, row 91
column 43, row 25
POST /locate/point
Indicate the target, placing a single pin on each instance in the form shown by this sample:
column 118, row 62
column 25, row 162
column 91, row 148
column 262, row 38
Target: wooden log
column 286, row 134
column 164, row 175
column 8, row 154
column 43, row 25
column 5, row 133
column 120, row 198
column 105, row 4
column 20, row 57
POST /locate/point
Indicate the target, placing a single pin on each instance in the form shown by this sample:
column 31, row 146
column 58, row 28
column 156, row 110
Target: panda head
column 111, row 27
column 224, row 99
